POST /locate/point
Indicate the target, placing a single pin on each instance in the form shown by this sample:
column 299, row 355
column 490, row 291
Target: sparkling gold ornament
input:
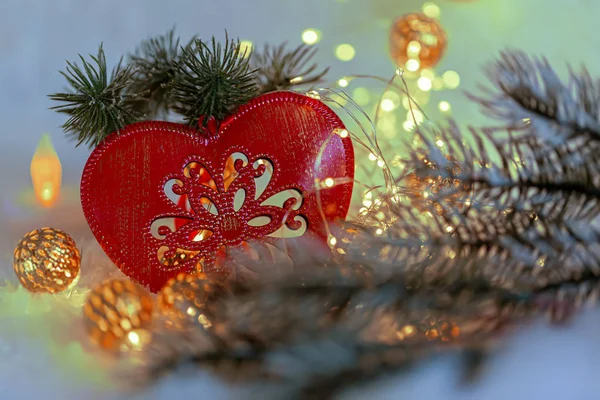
column 433, row 190
column 186, row 298
column 118, row 315
column 417, row 41
column 46, row 260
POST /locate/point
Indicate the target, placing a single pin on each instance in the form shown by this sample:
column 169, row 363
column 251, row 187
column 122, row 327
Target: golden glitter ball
column 46, row 260
column 118, row 315
column 186, row 298
column 419, row 38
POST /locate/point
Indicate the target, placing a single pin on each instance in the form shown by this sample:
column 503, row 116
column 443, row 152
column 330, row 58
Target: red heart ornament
column 162, row 198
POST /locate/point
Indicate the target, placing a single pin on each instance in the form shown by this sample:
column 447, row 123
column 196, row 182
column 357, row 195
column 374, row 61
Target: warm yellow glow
column 361, row 95
column 431, row 10
column 329, row 182
column 415, row 116
column 413, row 49
column 333, row 241
column 428, row 73
column 343, row 82
column 134, row 338
column 387, row 105
column 311, row 36
column 440, row 143
column 246, row 47
column 413, row 65
column 381, row 163
column 379, row 231
column 451, row 79
column 444, row 106
column 429, row 39
column 46, row 173
column 297, row 79
column 424, row 84
column 345, row 52
column 408, row 125
column 343, row 133
column 313, row 94
column 372, row 157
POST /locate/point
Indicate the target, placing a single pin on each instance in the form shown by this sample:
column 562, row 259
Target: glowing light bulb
column 413, row 49
column 133, row 338
column 432, row 10
column 311, row 36
column 46, row 173
column 444, row 106
column 246, row 48
column 343, row 82
column 408, row 125
column 342, row 132
column 345, row 52
column 387, row 105
column 314, row 94
column 451, row 79
column 329, row 182
column 372, row 157
column 415, row 116
column 413, row 65
column 333, row 241
column 428, row 73
column 424, row 84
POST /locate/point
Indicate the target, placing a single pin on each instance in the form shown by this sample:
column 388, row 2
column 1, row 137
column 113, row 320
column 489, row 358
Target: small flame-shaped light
column 46, row 173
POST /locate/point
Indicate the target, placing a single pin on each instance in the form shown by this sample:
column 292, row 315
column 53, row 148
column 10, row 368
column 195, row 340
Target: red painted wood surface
column 160, row 197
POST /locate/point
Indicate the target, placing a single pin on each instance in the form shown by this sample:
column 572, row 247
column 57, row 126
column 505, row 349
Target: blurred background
column 353, row 37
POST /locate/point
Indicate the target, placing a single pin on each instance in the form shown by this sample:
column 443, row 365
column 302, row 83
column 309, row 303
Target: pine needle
column 97, row 104
column 279, row 69
column 155, row 65
column 212, row 81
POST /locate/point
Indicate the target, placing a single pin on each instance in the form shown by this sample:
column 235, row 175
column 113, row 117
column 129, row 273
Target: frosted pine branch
column 531, row 92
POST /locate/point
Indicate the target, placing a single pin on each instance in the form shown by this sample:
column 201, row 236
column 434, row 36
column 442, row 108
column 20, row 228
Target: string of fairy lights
column 417, row 58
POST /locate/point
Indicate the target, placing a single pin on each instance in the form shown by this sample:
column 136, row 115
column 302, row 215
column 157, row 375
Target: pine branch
column 279, row 69
column 97, row 104
column 530, row 91
column 212, row 81
column 155, row 65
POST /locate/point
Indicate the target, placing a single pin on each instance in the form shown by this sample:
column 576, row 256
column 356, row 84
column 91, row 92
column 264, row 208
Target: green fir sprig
column 280, row 69
column 155, row 65
column 200, row 81
column 212, row 81
column 97, row 104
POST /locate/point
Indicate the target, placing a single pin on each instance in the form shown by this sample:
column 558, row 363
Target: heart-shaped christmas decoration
column 163, row 198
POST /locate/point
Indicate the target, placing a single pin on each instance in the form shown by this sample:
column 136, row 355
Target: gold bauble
column 417, row 37
column 185, row 300
column 46, row 260
column 118, row 315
